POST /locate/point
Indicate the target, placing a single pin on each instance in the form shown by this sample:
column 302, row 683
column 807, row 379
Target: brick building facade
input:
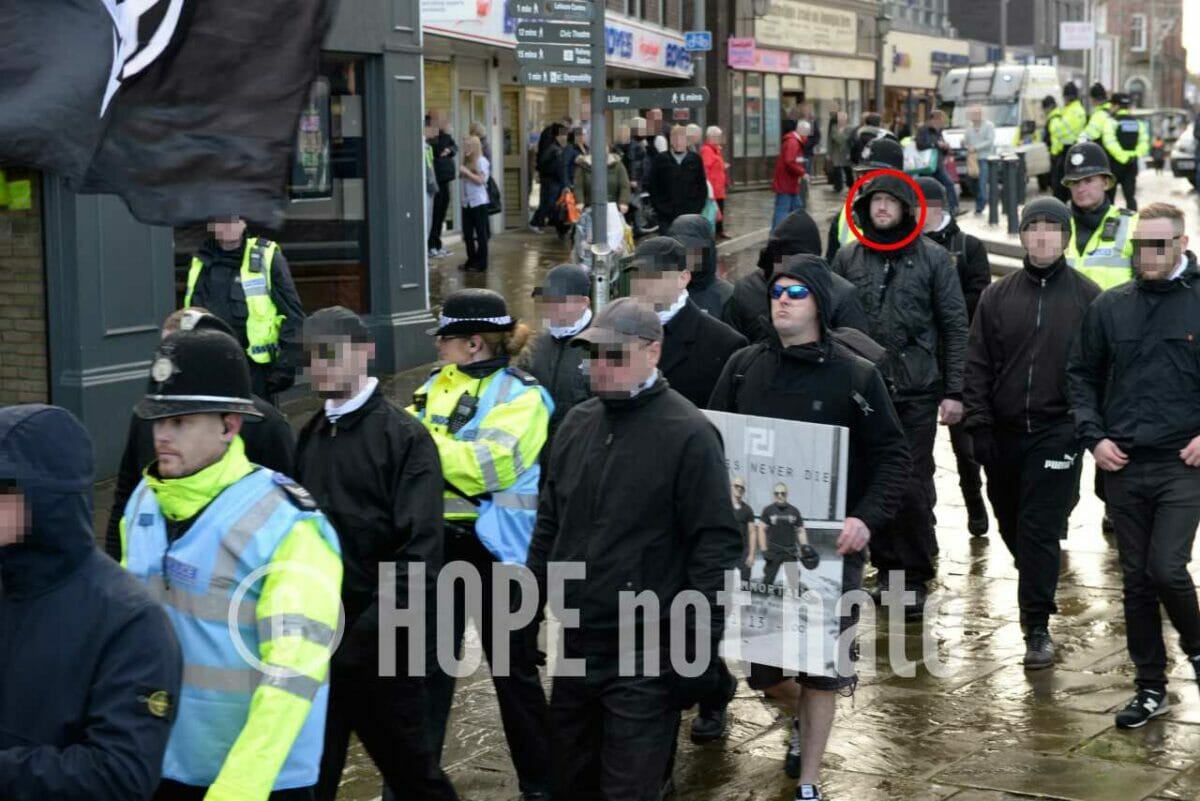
column 1139, row 32
column 24, row 359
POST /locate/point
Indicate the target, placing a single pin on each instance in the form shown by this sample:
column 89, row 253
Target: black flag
column 195, row 102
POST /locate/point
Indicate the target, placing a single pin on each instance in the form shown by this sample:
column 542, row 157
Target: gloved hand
column 983, row 445
column 715, row 685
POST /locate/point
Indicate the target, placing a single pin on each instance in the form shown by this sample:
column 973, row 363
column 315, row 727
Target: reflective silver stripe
column 254, row 288
column 459, row 506
column 298, row 685
column 211, row 606
column 515, row 500
column 504, row 440
column 294, row 625
column 205, row 398
column 225, row 680
column 239, row 537
column 487, row 466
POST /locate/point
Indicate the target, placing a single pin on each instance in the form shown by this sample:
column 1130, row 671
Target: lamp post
column 883, row 24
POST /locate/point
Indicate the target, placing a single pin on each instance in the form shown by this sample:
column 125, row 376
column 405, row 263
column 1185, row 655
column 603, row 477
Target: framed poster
column 310, row 177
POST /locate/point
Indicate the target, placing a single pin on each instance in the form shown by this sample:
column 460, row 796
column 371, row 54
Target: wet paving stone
column 1072, row 778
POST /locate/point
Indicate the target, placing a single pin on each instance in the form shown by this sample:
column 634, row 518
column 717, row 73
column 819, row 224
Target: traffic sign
column 697, row 41
column 685, row 97
column 557, row 10
column 539, row 32
column 556, row 76
column 569, row 55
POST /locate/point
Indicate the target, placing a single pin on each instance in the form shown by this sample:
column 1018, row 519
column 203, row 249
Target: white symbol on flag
column 128, row 60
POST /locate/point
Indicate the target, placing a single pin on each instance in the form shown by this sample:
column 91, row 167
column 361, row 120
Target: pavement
column 981, row 730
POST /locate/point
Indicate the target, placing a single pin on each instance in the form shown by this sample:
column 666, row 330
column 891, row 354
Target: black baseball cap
column 660, row 254
column 335, row 322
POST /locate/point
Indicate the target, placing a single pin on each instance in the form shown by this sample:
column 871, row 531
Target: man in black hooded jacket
column 912, row 297
column 706, row 289
column 89, row 664
column 748, row 309
column 800, row 373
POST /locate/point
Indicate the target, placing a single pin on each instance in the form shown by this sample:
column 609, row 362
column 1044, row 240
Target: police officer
column 246, row 282
column 1126, row 141
column 489, row 421
column 1064, row 127
column 90, row 664
column 1101, row 113
column 214, row 538
column 883, row 153
column 1101, row 243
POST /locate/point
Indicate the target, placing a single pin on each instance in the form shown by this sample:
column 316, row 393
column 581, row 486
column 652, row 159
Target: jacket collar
column 626, row 405
column 184, row 498
column 682, row 331
column 351, row 419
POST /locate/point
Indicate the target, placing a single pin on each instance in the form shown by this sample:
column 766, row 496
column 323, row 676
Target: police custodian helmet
column 1085, row 160
column 883, row 154
column 196, row 372
column 473, row 311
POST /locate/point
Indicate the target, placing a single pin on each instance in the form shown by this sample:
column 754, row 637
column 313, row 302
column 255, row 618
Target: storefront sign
column 752, row 58
column 792, row 24
column 944, row 61
column 914, row 61
column 741, row 53
column 1076, row 35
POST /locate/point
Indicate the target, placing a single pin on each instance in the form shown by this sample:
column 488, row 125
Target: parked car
column 1183, row 155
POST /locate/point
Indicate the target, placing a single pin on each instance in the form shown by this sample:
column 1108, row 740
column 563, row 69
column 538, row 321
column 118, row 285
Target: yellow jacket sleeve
column 297, row 616
column 1111, row 145
column 508, row 442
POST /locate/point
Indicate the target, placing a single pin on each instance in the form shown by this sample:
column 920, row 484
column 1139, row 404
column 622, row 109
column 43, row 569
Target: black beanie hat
column 1046, row 208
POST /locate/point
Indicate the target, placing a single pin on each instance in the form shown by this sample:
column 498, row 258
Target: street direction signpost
column 685, row 97
column 541, row 32
column 557, row 76
column 697, row 41
column 559, row 10
column 555, row 55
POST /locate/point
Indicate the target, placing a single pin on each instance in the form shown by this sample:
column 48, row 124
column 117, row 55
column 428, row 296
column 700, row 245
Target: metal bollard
column 993, row 191
column 600, row 277
column 1012, row 166
column 1022, row 179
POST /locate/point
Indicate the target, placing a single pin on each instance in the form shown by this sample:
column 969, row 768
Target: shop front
column 913, row 64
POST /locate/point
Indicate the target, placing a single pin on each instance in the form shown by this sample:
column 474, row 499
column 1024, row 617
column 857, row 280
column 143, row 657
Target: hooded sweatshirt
column 708, row 291
column 89, row 665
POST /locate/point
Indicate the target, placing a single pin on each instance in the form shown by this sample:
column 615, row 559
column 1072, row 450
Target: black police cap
column 196, row 372
column 883, row 153
column 1085, row 160
column 473, row 311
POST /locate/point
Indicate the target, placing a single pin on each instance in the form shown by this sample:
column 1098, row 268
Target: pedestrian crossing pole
column 601, row 253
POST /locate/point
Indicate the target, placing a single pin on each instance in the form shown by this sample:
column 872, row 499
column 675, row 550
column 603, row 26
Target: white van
column 1011, row 97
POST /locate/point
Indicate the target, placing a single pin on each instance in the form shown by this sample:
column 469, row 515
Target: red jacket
column 789, row 166
column 714, row 169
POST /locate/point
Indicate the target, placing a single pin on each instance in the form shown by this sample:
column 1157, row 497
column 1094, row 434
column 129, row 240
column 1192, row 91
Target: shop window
column 754, row 115
column 773, row 128
column 739, row 116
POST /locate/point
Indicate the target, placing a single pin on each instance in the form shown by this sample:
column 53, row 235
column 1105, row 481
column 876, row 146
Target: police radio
column 464, row 410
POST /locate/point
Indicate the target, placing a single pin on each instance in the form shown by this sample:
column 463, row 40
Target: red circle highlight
column 858, row 234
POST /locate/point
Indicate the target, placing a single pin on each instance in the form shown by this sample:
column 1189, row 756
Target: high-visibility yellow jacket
column 1124, row 126
column 1098, row 122
column 263, row 321
column 1107, row 257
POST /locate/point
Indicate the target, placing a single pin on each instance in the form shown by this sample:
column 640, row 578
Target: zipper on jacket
column 1037, row 326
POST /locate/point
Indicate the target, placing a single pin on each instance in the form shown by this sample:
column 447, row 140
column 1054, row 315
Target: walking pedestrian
column 1101, row 114
column 929, row 137
column 882, row 153
column 708, row 290
column 979, row 138
column 1018, row 411
column 1136, row 402
column 677, row 182
column 246, row 282
column 444, row 151
column 1127, row 142
column 89, row 663
column 716, row 170
column 916, row 310
column 974, row 274
column 551, row 178
column 475, row 172
column 203, row 527
column 840, row 135
column 695, row 345
column 489, row 422
column 431, row 183
column 802, row 373
column 1064, row 128
column 636, row 486
column 789, row 174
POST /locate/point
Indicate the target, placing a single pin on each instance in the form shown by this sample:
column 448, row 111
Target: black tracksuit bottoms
column 969, row 480
column 1154, row 505
column 909, row 542
column 1033, row 486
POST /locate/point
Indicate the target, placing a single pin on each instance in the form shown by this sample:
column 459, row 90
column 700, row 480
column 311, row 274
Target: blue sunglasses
column 795, row 291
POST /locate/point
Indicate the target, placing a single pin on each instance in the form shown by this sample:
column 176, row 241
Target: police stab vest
column 197, row 579
column 1128, row 131
column 504, row 520
column 263, row 320
column 1105, row 259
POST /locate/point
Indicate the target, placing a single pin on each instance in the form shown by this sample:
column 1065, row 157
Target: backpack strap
column 741, row 362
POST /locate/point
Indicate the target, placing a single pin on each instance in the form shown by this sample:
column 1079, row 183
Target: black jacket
column 269, row 442
column 1134, row 372
column 694, row 351
column 970, row 260
column 89, row 664
column 677, row 188
column 558, row 366
column 817, row 383
column 929, row 137
column 916, row 310
column 749, row 307
column 551, row 169
column 377, row 476
column 638, row 491
column 219, row 289
column 1016, row 376
column 637, row 163
column 444, row 167
column 709, row 291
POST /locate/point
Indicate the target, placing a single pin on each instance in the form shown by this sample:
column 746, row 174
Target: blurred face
column 564, row 311
column 623, row 135
column 561, row 138
column 1088, row 193
column 716, row 138
column 693, row 136
column 659, row 289
column 886, row 211
column 794, row 312
column 187, row 444
column 739, row 490
column 654, row 116
column 842, row 119
column 14, row 521
column 338, row 367
column 937, row 121
column 616, row 369
column 975, row 115
column 679, row 140
column 933, row 218
column 460, row 349
column 1158, row 246
column 1044, row 241
column 228, row 232
column 780, row 493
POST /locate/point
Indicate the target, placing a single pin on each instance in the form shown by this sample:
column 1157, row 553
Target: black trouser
column 613, row 735
column 842, row 175
column 1033, row 486
column 523, row 709
column 1155, row 507
column 548, row 192
column 475, row 234
column 1126, row 175
column 908, row 541
column 391, row 718
column 969, row 480
column 441, row 203
column 721, row 216
column 774, row 561
column 174, row 791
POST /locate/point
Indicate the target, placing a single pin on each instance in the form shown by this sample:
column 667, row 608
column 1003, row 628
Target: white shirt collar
column 645, row 385
column 1179, row 268
column 564, row 331
column 668, row 315
column 946, row 218
column 335, row 410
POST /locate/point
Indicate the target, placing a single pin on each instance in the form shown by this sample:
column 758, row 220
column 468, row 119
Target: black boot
column 977, row 516
column 1039, row 648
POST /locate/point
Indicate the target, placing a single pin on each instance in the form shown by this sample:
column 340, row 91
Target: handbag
column 569, row 209
column 920, row 162
column 972, row 165
column 494, row 205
